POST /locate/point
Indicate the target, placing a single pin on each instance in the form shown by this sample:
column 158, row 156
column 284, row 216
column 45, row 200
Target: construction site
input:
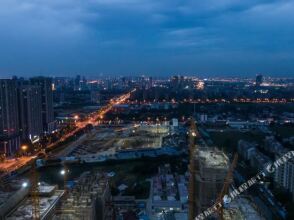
column 110, row 140
column 211, row 178
column 169, row 194
column 210, row 175
column 88, row 198
column 49, row 196
column 17, row 203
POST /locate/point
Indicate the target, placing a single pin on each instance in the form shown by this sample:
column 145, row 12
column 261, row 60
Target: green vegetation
column 133, row 173
column 228, row 140
column 140, row 190
column 284, row 131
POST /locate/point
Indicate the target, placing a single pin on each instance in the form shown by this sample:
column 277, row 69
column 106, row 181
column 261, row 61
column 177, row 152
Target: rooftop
column 213, row 158
column 24, row 210
column 242, row 208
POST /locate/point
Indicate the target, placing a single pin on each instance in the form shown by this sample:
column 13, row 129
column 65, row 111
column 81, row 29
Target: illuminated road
column 93, row 117
column 207, row 101
column 13, row 164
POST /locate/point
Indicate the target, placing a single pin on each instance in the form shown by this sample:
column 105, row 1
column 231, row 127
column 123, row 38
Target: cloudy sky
column 153, row 37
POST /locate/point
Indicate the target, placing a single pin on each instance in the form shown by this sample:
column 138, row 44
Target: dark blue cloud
column 60, row 37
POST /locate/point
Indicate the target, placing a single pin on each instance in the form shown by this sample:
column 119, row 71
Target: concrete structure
column 89, row 199
column 272, row 145
column 175, row 122
column 10, row 199
column 22, row 204
column 203, row 118
column 9, row 117
column 47, row 102
column 246, row 149
column 258, row 160
column 211, row 169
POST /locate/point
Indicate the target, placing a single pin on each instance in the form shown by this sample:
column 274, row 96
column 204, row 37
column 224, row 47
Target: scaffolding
column 88, row 199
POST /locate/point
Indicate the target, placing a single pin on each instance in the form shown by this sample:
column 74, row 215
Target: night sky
column 152, row 37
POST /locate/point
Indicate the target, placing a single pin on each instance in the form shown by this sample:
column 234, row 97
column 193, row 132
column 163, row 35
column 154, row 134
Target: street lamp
column 62, row 172
column 76, row 117
column 24, row 148
column 24, row 184
column 5, row 149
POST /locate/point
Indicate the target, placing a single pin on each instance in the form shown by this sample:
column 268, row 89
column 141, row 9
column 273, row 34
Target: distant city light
column 76, row 117
column 200, row 85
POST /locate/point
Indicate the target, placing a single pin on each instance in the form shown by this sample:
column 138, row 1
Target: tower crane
column 225, row 189
column 35, row 192
column 191, row 199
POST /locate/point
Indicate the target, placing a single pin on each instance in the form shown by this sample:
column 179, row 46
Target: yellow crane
column 193, row 133
column 35, row 192
column 228, row 180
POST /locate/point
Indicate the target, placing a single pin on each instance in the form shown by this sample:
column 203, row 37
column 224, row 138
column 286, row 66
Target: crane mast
column 225, row 189
column 193, row 133
column 35, row 192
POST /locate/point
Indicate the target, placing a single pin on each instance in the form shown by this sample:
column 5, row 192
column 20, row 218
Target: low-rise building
column 246, row 149
column 258, row 160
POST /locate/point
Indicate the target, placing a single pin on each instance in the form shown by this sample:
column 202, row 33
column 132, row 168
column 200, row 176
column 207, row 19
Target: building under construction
column 89, row 199
column 22, row 204
column 211, row 168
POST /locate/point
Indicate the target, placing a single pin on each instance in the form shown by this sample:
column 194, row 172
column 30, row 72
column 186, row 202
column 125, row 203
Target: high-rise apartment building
column 45, row 84
column 77, row 85
column 284, row 175
column 9, row 117
column 30, row 105
column 258, row 80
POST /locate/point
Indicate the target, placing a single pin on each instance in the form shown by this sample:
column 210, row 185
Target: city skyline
column 125, row 37
column 177, row 148
column 146, row 109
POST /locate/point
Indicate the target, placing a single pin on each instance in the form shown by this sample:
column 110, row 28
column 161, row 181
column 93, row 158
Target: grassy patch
column 285, row 131
column 228, row 140
column 140, row 190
